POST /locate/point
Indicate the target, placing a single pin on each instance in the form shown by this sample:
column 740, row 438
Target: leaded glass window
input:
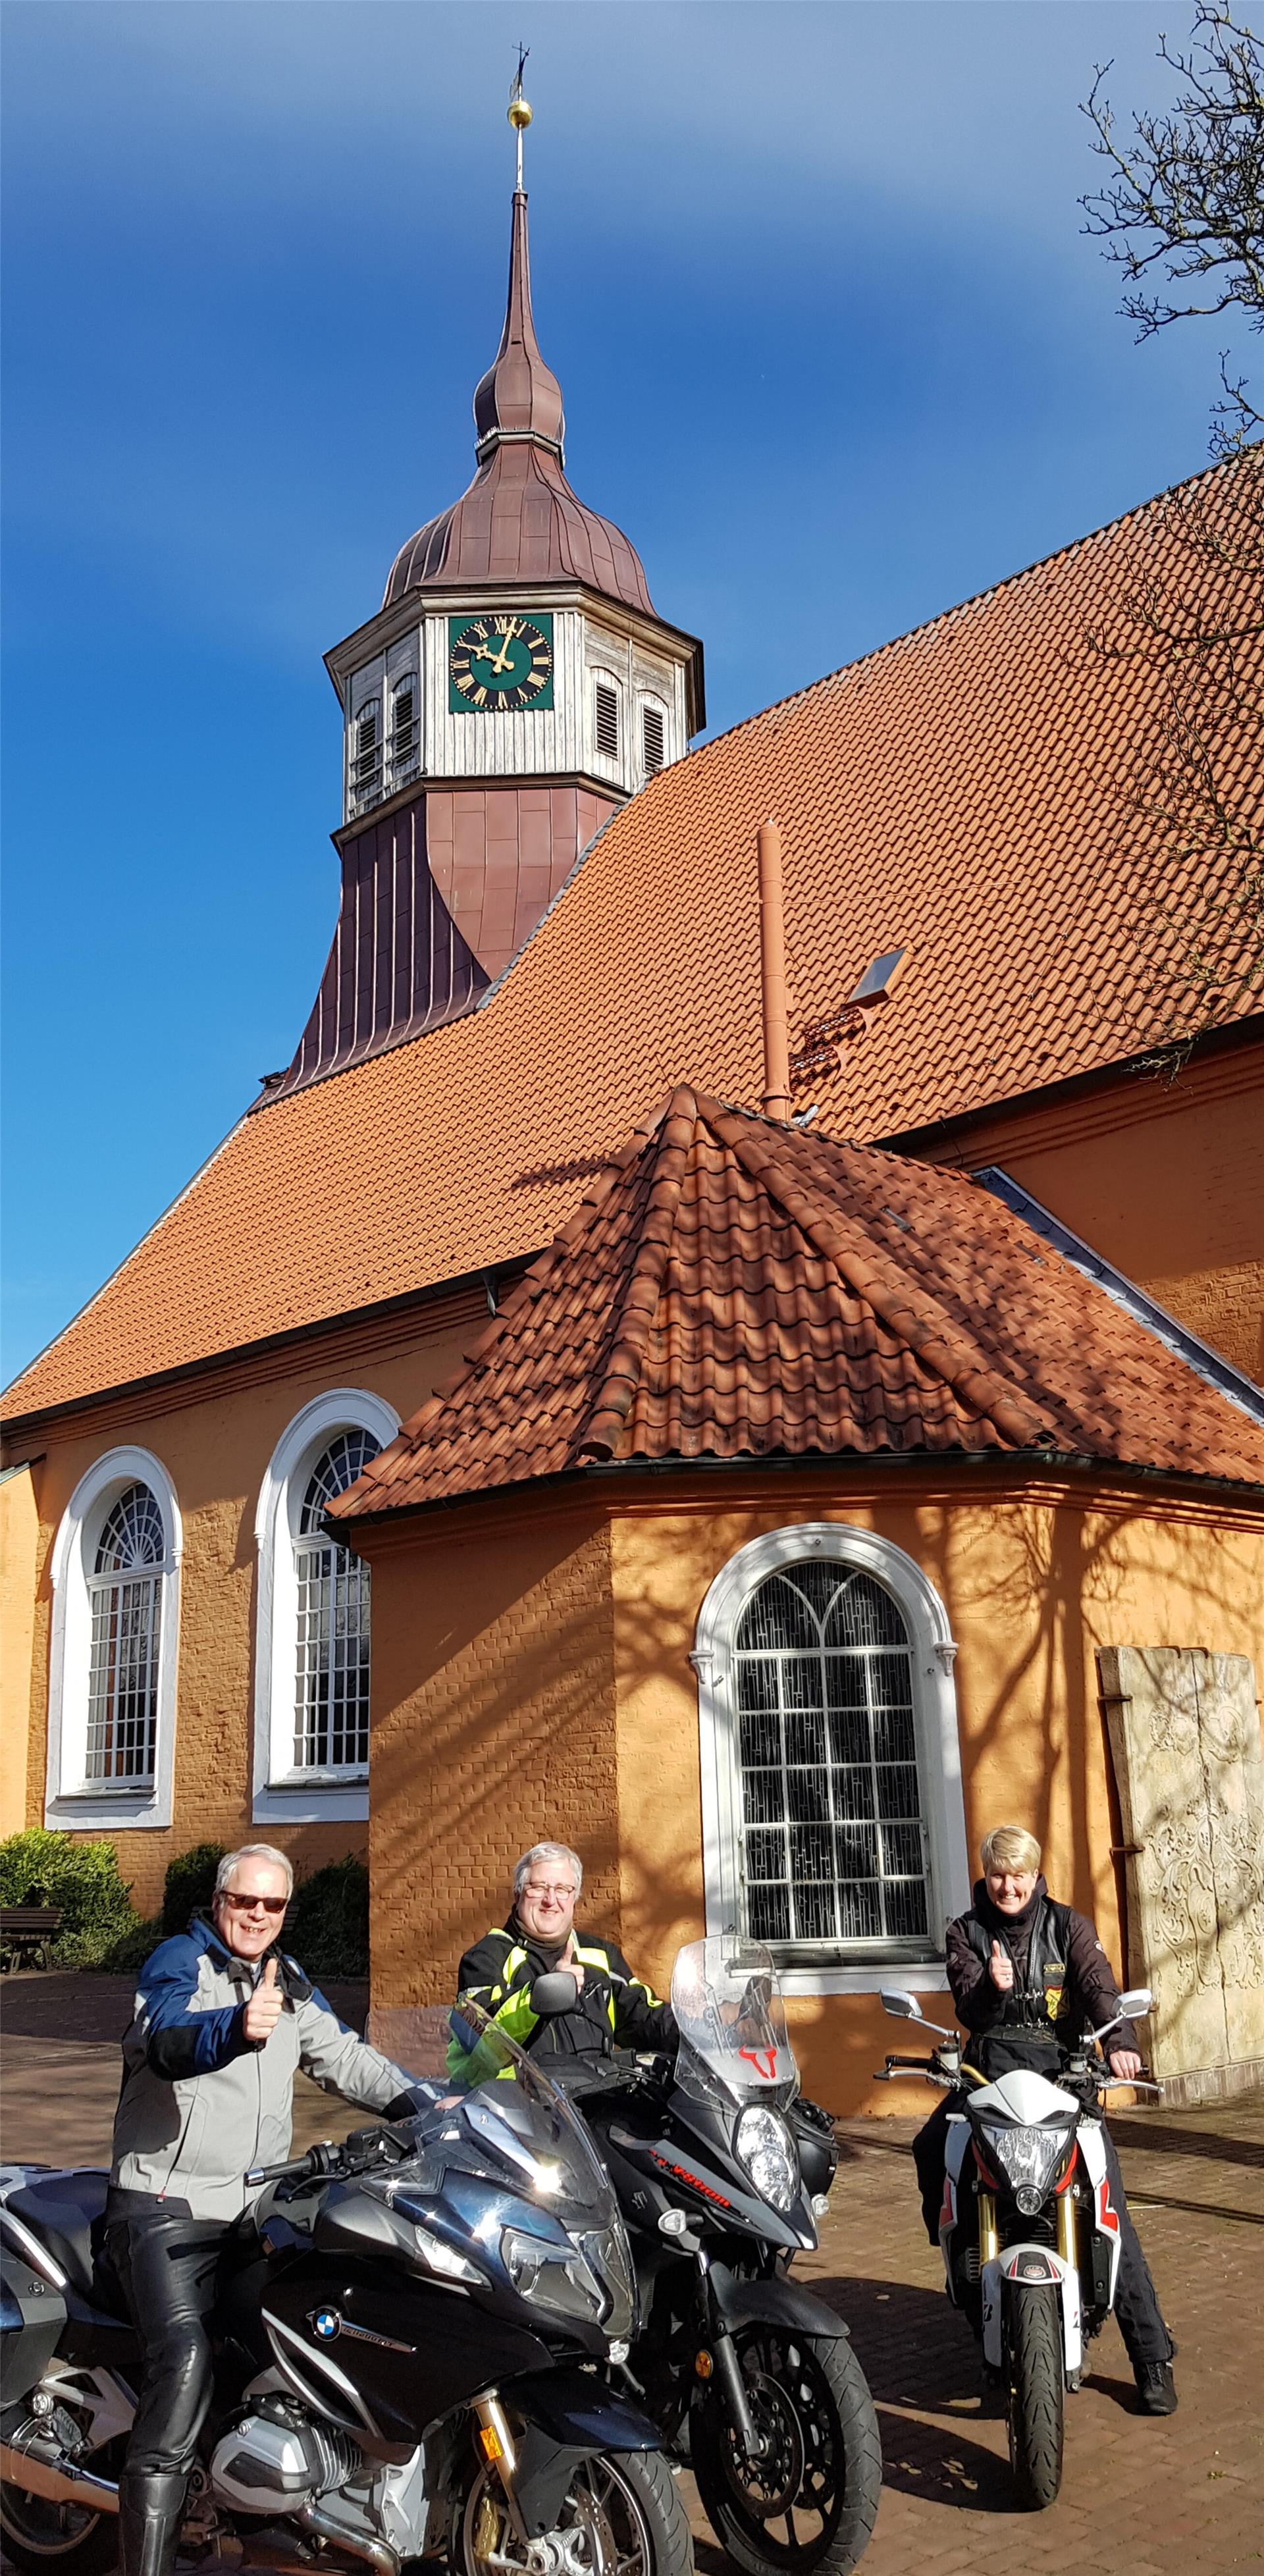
column 125, row 1603
column 331, row 1704
column 833, row 1835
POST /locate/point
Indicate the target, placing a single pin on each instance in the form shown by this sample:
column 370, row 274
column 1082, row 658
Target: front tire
column 811, row 2501
column 1033, row 2334
column 624, row 2512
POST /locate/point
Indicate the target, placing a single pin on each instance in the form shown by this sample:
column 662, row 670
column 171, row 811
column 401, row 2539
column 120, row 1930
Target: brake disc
column 770, row 2485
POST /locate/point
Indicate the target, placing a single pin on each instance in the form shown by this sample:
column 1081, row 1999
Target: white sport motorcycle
column 1028, row 2230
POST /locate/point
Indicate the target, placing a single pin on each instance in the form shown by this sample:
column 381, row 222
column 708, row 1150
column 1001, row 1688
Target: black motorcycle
column 720, row 2177
column 411, row 2343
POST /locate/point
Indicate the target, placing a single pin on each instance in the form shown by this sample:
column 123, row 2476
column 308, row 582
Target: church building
column 546, row 1415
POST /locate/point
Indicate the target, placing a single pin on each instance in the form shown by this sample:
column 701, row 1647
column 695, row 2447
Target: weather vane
column 519, row 110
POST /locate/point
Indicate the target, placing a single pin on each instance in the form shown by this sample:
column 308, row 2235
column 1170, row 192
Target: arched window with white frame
column 314, row 1636
column 112, row 1678
column 834, row 1825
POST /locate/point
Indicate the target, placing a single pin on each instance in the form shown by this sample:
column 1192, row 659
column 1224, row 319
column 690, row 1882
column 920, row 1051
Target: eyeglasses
column 247, row 1904
column 539, row 1887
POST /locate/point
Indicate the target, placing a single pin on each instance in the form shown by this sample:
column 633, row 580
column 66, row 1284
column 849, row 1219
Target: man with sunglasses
column 223, row 2022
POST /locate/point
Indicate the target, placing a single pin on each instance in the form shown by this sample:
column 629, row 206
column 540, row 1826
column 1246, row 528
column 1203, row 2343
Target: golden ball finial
column 519, row 114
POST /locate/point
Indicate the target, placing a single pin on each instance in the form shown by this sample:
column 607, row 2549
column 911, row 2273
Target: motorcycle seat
column 65, row 2211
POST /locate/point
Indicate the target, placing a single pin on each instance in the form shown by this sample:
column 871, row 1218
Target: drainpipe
column 772, row 962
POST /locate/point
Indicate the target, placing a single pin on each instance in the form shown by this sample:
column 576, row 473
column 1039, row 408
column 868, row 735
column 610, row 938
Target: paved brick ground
column 1149, row 2498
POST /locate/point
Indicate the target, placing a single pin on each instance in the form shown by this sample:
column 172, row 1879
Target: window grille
column 366, row 758
column 607, row 710
column 331, row 1704
column 403, row 746
column 651, row 739
column 834, row 1843
column 125, row 1601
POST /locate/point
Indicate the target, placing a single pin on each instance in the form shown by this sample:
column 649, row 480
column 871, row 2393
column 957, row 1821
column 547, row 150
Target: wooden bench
column 27, row 1933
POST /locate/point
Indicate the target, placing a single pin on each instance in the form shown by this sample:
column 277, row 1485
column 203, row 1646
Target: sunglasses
column 251, row 1904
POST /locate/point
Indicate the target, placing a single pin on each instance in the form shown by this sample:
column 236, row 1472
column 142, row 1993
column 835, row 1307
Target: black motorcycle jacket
column 1063, row 1982
column 614, row 2009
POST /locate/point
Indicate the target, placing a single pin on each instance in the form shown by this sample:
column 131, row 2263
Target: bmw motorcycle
column 720, row 2178
column 1028, row 2231
column 410, row 2341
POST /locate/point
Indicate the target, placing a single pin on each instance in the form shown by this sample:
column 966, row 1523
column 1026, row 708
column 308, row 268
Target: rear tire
column 812, row 2502
column 46, row 2539
column 1033, row 2333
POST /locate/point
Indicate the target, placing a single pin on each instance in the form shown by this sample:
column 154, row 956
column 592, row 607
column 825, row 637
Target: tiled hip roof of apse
column 987, row 793
column 730, row 1288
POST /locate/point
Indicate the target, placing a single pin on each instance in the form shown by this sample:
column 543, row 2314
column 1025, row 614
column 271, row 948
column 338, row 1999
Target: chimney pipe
column 772, row 961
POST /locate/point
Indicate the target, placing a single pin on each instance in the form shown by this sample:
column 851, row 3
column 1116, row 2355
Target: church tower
column 515, row 687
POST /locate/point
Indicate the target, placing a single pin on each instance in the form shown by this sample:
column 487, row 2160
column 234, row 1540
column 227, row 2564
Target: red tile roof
column 962, row 793
column 731, row 1288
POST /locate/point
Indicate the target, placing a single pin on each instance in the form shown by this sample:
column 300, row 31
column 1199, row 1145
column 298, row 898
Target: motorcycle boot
column 1156, row 2388
column 151, row 2511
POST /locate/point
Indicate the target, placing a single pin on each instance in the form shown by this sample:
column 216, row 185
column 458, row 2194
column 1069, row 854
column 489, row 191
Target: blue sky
column 834, row 351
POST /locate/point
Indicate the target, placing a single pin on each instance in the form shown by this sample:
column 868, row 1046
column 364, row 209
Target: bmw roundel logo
column 326, row 2323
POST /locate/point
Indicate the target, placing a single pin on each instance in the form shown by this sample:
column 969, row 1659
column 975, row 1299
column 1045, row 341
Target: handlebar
column 357, row 2154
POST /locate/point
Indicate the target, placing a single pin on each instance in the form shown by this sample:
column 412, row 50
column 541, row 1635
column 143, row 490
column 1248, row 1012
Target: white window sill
column 867, row 1977
column 114, row 1804
column 313, row 1798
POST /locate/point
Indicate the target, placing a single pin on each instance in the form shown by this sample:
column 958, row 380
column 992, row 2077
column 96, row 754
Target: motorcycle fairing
column 1025, row 2097
column 1036, row 2266
column 403, row 2392
column 1092, row 2147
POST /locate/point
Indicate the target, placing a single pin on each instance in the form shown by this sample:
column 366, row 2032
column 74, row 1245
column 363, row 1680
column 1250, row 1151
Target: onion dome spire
column 519, row 397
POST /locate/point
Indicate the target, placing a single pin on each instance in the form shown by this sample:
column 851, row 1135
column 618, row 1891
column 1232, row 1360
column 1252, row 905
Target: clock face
column 500, row 660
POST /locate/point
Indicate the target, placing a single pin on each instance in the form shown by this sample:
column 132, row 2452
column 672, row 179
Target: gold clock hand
column 501, row 661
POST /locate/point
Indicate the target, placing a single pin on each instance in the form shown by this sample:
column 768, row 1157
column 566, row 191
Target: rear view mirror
column 1136, row 2003
column 905, row 2007
column 555, row 1993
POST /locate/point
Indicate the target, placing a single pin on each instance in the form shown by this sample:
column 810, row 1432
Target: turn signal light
column 489, row 2443
column 704, row 2364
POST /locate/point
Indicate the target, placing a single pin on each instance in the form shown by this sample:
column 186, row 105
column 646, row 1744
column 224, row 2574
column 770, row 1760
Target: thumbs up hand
column 1001, row 1969
column 265, row 2007
column 576, row 1966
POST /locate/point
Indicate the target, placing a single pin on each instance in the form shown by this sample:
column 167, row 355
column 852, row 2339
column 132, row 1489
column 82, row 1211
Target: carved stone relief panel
column 1185, row 1741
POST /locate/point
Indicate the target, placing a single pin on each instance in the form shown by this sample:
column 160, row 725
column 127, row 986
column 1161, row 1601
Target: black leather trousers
column 167, row 2265
column 1137, row 2310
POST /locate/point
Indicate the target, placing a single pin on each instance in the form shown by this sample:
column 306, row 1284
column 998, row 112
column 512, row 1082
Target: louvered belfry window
column 651, row 739
column 606, row 704
column 125, row 1599
column 833, row 1838
column 404, row 731
column 331, row 1701
column 366, row 756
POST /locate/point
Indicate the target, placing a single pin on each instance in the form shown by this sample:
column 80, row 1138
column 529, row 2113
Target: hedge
column 41, row 1868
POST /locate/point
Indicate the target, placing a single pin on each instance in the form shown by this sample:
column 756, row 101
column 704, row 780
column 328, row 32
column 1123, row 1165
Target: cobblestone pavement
column 1152, row 2498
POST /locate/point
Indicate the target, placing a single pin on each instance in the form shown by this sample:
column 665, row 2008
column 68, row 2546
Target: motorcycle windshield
column 503, row 2121
column 734, row 2045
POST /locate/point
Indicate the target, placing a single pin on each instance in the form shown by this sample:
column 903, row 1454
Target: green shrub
column 327, row 1927
column 189, row 1886
column 82, row 1878
column 130, row 1951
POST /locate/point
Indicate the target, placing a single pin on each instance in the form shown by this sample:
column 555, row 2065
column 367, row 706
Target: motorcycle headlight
column 555, row 2277
column 764, row 2147
column 1028, row 2159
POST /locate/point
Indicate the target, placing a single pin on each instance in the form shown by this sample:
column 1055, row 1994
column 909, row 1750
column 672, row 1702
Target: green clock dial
column 500, row 660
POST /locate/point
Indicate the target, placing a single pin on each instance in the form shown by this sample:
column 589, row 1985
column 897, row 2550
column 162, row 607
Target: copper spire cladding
column 520, row 520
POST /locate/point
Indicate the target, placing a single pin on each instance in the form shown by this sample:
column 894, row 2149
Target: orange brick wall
column 532, row 1676
column 1164, row 1175
column 215, row 1440
column 493, row 1689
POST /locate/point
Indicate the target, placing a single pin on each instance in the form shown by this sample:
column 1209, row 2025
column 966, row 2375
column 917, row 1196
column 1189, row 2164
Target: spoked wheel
column 1033, row 2337
column 810, row 2500
column 39, row 2534
column 621, row 2517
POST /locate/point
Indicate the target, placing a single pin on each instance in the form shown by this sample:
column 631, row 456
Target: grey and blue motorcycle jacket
column 200, row 2103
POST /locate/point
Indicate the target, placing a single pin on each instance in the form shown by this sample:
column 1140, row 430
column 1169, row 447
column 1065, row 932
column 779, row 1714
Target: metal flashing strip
column 1207, row 1364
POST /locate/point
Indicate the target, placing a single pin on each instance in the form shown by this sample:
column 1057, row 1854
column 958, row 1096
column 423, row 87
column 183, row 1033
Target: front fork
column 719, row 2359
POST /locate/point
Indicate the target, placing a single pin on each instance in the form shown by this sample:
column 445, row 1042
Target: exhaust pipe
column 379, row 2553
column 58, row 2479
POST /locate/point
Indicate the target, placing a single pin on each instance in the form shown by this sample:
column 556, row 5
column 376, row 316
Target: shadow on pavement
column 1186, row 2142
column 919, row 2355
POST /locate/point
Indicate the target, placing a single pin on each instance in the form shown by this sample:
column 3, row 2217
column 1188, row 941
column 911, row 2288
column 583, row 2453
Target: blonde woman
column 1028, row 1977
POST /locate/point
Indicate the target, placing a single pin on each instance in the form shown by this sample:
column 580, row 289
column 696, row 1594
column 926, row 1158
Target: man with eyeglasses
column 612, row 2007
column 223, row 2022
